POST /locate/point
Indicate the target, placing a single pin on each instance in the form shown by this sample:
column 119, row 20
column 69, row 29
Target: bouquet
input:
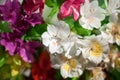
column 60, row 39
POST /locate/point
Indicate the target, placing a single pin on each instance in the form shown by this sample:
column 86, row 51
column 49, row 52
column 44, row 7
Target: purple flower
column 10, row 10
column 27, row 49
column 70, row 7
column 34, row 19
column 15, row 45
column 10, row 41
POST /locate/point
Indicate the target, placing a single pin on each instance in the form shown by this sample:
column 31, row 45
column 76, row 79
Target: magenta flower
column 70, row 7
column 15, row 45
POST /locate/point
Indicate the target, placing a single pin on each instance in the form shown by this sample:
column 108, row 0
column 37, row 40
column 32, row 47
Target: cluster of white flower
column 72, row 53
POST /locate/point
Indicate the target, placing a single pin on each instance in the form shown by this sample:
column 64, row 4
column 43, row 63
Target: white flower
column 60, row 40
column 71, row 69
column 112, row 33
column 94, row 48
column 92, row 15
column 55, row 35
column 113, row 8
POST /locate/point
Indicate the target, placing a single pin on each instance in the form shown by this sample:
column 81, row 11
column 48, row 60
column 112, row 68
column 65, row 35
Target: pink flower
column 70, row 7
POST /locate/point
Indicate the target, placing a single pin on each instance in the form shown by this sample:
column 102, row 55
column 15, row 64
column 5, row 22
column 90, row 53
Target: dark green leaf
column 34, row 33
column 101, row 3
column 50, row 3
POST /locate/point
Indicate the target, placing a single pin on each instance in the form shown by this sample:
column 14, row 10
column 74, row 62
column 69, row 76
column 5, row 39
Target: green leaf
column 50, row 3
column 70, row 21
column 34, row 33
column 4, row 27
column 101, row 3
column 2, row 61
column 75, row 78
column 53, row 3
column 81, row 31
column 53, row 11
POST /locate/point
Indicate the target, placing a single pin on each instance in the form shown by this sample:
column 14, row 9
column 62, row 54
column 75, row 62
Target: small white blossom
column 92, row 15
column 113, row 8
column 71, row 69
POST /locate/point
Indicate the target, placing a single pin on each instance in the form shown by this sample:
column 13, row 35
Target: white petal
column 46, row 38
column 52, row 30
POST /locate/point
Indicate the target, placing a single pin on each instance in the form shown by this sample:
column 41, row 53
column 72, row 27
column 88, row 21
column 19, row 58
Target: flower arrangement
column 59, row 39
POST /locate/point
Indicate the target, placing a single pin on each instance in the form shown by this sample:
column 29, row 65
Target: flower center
column 70, row 65
column 96, row 49
column 73, row 63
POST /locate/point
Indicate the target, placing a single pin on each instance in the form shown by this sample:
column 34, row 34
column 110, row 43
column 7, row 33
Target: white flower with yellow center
column 112, row 33
column 94, row 48
column 71, row 68
column 92, row 15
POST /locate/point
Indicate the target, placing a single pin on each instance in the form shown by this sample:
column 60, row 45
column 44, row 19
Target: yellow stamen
column 66, row 67
column 73, row 63
column 96, row 49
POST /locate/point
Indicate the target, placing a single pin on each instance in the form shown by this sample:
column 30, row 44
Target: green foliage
column 34, row 33
column 85, row 75
column 17, row 77
column 53, row 3
column 54, row 10
column 70, row 21
column 4, row 27
column 81, row 31
column 114, row 74
column 101, row 3
column 2, row 61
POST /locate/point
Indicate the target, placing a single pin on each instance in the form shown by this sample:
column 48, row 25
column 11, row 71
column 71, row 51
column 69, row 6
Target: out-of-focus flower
column 14, row 45
column 95, row 48
column 92, row 15
column 42, row 70
column 33, row 19
column 27, row 49
column 112, row 33
column 113, row 9
column 31, row 6
column 98, row 74
column 71, row 7
column 10, row 41
column 10, row 10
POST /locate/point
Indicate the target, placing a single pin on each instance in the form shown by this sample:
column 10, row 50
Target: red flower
column 32, row 5
column 42, row 70
column 70, row 7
